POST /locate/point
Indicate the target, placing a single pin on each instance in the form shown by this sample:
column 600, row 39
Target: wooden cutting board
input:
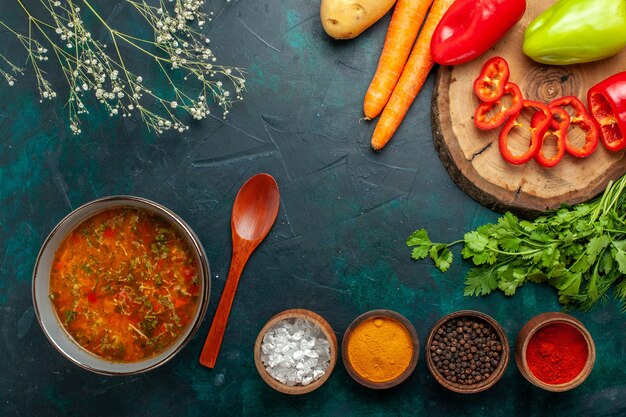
column 472, row 157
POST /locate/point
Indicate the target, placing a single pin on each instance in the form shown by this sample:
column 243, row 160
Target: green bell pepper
column 576, row 31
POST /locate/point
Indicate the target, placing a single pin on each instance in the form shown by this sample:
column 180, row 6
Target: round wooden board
column 472, row 157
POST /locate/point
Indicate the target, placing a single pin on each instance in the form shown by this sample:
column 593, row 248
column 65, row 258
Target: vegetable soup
column 125, row 284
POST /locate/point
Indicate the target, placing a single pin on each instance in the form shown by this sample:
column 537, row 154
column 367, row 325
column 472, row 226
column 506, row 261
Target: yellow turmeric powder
column 380, row 349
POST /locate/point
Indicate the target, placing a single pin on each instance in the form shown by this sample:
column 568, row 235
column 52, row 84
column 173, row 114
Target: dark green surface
column 337, row 247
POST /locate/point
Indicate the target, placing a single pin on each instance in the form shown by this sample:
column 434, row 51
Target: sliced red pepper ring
column 583, row 120
column 483, row 121
column 536, row 131
column 558, row 128
column 607, row 104
column 572, row 101
column 491, row 83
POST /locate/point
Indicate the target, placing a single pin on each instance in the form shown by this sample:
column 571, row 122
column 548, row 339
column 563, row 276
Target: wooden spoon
column 254, row 213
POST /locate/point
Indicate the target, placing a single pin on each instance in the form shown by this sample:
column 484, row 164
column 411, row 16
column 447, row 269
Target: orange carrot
column 405, row 24
column 412, row 79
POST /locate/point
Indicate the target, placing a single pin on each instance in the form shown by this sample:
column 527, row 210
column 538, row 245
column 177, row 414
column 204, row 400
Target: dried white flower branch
column 91, row 67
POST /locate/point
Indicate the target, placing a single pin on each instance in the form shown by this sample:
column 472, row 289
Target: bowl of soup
column 121, row 285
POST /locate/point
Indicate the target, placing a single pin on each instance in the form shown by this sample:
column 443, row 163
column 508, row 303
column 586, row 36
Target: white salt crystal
column 295, row 352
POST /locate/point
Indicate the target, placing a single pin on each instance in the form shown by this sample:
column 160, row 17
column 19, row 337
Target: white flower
column 98, row 70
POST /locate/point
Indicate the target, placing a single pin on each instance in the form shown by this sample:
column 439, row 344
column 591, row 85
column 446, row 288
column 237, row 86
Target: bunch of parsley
column 579, row 250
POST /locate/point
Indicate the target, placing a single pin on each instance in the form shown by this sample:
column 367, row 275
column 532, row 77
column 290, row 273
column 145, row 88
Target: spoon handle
column 213, row 342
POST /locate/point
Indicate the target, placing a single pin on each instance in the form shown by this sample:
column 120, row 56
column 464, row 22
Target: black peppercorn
column 466, row 351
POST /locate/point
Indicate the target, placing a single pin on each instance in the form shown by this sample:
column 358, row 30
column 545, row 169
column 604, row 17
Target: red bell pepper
column 583, row 120
column 483, row 121
column 558, row 129
column 489, row 86
column 536, row 133
column 471, row 27
column 607, row 104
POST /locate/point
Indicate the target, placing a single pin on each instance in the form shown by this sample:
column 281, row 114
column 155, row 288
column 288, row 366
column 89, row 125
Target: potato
column 347, row 19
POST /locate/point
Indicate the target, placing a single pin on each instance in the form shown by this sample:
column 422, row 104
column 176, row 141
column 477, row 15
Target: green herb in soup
column 125, row 284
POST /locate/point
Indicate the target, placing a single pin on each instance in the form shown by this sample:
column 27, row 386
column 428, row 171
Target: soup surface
column 125, row 284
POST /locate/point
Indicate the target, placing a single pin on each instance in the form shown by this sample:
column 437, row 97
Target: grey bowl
column 44, row 309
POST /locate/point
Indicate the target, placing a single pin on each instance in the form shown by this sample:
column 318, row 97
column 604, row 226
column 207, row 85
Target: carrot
column 412, row 79
column 405, row 24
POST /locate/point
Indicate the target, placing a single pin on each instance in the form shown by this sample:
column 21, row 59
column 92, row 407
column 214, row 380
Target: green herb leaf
column 420, row 252
column 510, row 243
column 536, row 276
column 480, row 281
column 442, row 260
column 486, row 257
column 568, row 284
column 510, row 279
column 606, row 263
column 595, row 246
column 475, row 241
column 620, row 258
column 420, row 239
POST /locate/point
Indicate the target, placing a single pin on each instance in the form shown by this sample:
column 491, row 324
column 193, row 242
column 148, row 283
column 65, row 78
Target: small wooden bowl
column 294, row 314
column 493, row 378
column 527, row 332
column 412, row 363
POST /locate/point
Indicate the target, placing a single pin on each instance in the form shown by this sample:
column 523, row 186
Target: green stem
column 530, row 252
column 456, row 242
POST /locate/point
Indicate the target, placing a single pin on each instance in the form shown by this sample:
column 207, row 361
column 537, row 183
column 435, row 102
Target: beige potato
column 347, row 19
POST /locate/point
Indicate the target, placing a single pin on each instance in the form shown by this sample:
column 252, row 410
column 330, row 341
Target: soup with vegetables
column 125, row 284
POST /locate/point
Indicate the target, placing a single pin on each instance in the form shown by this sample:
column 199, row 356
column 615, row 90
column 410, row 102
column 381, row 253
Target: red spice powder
column 557, row 353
